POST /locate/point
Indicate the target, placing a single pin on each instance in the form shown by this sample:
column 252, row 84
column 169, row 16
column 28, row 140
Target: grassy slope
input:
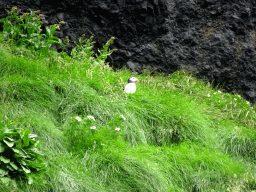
column 180, row 134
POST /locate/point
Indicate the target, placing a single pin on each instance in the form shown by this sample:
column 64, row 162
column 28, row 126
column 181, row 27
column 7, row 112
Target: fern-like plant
column 19, row 154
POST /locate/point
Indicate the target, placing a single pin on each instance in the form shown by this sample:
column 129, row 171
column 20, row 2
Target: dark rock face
column 215, row 39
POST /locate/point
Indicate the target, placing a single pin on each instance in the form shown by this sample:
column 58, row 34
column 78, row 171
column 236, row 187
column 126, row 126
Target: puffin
column 131, row 87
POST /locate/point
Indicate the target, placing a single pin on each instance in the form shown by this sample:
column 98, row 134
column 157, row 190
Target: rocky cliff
column 214, row 39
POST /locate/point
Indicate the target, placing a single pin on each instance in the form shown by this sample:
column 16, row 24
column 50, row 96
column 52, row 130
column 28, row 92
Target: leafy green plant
column 105, row 52
column 19, row 154
column 83, row 49
column 25, row 30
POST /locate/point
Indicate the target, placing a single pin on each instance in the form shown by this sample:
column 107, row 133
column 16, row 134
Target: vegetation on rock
column 175, row 133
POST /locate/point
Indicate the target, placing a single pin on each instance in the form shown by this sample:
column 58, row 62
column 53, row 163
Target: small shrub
column 19, row 154
column 25, row 30
column 83, row 49
column 105, row 52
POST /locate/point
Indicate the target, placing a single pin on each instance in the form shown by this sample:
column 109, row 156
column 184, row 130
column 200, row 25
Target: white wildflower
column 91, row 117
column 235, row 99
column 123, row 117
column 93, row 127
column 117, row 129
column 208, row 95
column 78, row 118
column 219, row 91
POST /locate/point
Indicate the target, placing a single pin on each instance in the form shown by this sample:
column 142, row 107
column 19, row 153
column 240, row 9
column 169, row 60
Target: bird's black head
column 133, row 80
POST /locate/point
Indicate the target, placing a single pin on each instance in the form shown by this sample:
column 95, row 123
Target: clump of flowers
column 78, row 118
column 14, row 11
column 62, row 22
column 57, row 26
column 117, row 129
column 122, row 117
column 67, row 39
column 91, row 117
column 39, row 17
column 217, row 92
column 93, row 127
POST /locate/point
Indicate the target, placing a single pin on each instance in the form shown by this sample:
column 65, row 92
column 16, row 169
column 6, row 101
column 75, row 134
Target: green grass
column 180, row 134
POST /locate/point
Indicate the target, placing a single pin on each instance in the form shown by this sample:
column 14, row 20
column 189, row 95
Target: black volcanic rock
column 215, row 39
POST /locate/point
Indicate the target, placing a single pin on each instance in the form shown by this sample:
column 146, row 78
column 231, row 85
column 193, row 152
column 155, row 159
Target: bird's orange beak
column 137, row 81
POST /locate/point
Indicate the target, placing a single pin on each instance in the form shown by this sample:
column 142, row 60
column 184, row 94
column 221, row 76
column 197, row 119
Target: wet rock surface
column 214, row 39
